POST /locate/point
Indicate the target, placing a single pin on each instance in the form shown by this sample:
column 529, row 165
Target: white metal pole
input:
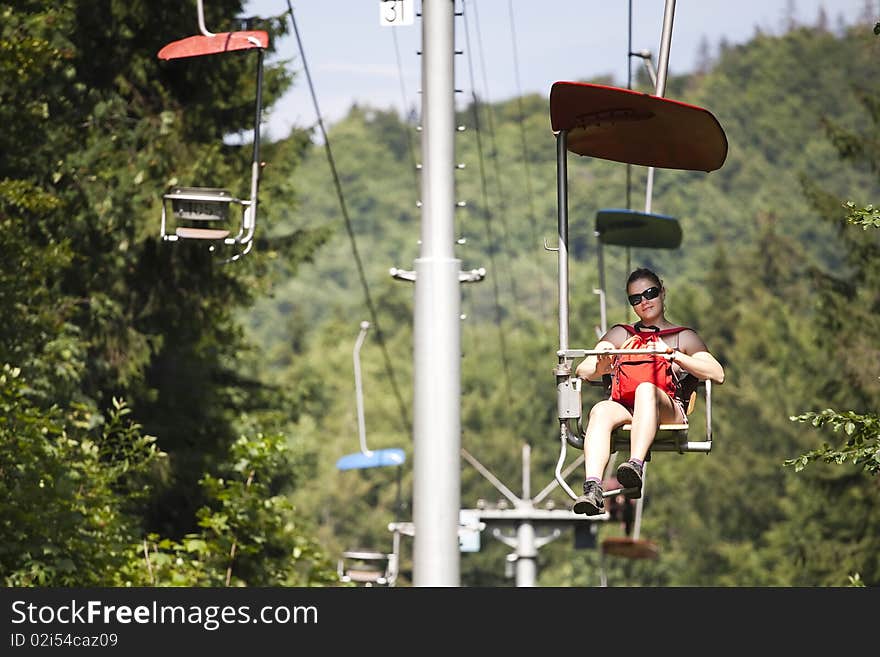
column 527, row 554
column 660, row 88
column 200, row 10
column 662, row 70
column 437, row 330
column 526, row 549
column 603, row 313
column 665, row 45
column 359, row 388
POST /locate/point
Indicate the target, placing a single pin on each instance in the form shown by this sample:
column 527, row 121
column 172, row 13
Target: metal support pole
column 526, row 541
column 660, row 89
column 562, row 221
column 526, row 555
column 200, row 10
column 637, row 524
column 603, row 313
column 662, row 71
column 436, row 326
column 526, row 551
column 665, row 45
column 359, row 389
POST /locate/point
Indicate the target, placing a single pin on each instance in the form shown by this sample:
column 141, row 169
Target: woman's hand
column 596, row 364
column 604, row 363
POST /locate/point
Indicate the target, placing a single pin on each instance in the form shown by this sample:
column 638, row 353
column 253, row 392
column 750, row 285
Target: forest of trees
column 172, row 420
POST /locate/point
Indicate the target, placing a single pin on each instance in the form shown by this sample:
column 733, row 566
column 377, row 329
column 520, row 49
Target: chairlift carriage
column 369, row 567
column 625, row 126
column 206, row 213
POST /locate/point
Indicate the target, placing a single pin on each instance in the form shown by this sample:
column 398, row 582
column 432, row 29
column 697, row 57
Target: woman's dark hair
column 644, row 272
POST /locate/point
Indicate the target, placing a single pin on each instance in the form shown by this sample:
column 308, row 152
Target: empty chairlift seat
column 204, row 213
column 199, row 212
column 367, row 568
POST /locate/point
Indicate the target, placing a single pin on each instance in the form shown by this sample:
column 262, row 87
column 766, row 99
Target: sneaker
column 629, row 475
column 592, row 502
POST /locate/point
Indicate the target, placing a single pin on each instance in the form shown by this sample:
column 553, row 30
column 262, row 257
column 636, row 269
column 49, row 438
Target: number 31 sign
column 396, row 12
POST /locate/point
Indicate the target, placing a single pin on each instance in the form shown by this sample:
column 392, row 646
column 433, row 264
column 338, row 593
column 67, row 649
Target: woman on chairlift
column 646, row 390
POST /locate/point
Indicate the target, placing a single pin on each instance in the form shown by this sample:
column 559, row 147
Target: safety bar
column 583, row 353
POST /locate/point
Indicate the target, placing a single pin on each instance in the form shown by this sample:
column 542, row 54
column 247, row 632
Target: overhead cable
column 348, row 227
column 487, row 215
column 525, row 150
column 494, row 155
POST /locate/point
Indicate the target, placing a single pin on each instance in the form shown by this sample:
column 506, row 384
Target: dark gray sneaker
column 591, row 503
column 629, row 475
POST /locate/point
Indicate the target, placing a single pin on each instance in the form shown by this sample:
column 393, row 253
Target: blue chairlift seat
column 373, row 459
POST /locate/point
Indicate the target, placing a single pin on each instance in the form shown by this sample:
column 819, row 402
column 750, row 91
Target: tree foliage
column 856, row 291
column 97, row 310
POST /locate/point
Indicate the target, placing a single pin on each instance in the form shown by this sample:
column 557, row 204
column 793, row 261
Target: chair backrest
column 367, row 568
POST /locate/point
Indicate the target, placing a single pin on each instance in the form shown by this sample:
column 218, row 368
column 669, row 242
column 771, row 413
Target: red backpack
column 632, row 369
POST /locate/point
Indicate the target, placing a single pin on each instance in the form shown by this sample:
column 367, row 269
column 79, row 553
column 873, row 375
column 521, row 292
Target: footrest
column 661, row 428
column 630, row 548
column 365, row 576
column 202, row 233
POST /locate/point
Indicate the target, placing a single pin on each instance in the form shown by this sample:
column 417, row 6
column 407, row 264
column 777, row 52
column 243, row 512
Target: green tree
column 850, row 299
column 73, row 484
column 97, row 310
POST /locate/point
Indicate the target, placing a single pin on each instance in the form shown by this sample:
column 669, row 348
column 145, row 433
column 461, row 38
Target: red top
column 200, row 44
column 636, row 128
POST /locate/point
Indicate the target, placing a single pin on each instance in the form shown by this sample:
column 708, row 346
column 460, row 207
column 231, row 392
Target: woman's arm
column 693, row 356
column 593, row 367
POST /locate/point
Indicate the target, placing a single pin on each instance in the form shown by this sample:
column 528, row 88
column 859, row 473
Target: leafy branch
column 866, row 217
column 862, row 446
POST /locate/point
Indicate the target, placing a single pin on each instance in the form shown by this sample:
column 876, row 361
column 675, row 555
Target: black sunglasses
column 650, row 293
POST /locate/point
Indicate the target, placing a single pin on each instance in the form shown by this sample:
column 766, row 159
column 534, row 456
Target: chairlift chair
column 634, row 229
column 204, row 213
column 626, row 126
column 369, row 567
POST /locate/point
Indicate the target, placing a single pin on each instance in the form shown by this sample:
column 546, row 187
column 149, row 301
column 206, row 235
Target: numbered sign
column 396, row 12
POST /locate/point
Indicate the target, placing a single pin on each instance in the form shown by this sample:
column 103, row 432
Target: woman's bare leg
column 651, row 408
column 605, row 416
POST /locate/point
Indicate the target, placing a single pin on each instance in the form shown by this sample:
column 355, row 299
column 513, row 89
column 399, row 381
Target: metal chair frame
column 203, row 213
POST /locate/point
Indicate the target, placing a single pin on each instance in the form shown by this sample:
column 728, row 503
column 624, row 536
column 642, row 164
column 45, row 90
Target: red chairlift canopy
column 200, row 44
column 636, row 128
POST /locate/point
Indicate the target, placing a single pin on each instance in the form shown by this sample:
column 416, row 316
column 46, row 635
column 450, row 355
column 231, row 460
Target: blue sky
column 352, row 58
